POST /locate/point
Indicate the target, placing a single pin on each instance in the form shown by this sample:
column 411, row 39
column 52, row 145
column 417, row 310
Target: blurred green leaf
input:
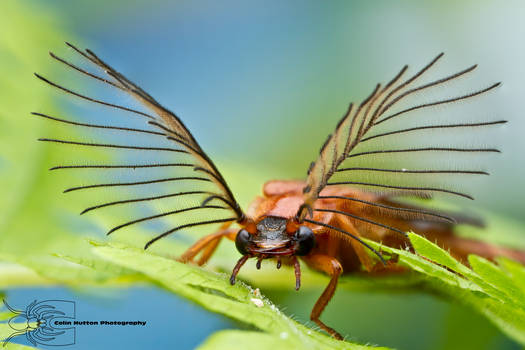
column 232, row 339
column 6, row 331
column 235, row 339
column 34, row 222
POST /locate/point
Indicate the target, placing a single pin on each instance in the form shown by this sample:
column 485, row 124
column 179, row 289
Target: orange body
column 283, row 198
column 336, row 253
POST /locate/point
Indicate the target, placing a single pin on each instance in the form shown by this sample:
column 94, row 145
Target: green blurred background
column 261, row 84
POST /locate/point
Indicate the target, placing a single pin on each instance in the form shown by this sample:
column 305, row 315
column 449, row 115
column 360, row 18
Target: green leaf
column 498, row 278
column 213, row 292
column 494, row 291
column 515, row 270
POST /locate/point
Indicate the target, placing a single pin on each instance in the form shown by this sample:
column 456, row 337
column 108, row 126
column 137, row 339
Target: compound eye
column 242, row 240
column 305, row 238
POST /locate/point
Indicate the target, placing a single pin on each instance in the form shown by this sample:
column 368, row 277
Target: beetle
column 321, row 220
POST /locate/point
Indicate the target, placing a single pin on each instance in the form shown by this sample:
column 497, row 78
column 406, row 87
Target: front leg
column 332, row 268
column 207, row 245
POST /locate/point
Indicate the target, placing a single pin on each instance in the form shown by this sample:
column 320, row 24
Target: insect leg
column 207, row 245
column 333, row 268
column 360, row 251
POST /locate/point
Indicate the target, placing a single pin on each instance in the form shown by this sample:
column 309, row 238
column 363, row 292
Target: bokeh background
column 261, row 84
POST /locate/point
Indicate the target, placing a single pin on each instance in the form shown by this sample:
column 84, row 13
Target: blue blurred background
column 261, row 83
